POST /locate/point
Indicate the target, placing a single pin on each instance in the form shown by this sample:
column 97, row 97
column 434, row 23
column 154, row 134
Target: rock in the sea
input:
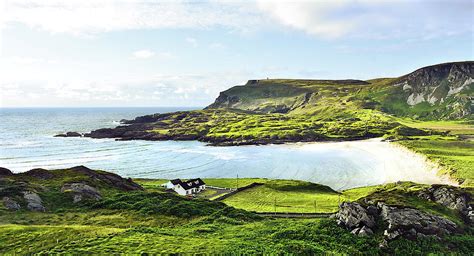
column 34, row 202
column 5, row 172
column 81, row 191
column 409, row 223
column 11, row 204
column 69, row 134
column 353, row 215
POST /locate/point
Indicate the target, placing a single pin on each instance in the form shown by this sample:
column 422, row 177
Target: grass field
column 294, row 196
column 454, row 127
column 286, row 195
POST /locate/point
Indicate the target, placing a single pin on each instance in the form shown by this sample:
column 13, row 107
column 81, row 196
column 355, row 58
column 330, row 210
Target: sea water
column 27, row 141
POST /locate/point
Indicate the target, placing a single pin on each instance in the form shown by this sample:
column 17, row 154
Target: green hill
column 441, row 91
column 290, row 110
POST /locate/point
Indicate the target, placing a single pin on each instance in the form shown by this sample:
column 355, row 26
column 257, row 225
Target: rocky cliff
column 448, row 85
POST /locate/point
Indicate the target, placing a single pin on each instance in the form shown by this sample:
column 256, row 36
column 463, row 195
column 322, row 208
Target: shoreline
column 426, row 171
column 391, row 173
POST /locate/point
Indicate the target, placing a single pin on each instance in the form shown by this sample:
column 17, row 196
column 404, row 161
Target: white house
column 188, row 187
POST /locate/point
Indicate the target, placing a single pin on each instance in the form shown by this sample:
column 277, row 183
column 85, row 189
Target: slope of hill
column 440, row 91
column 40, row 214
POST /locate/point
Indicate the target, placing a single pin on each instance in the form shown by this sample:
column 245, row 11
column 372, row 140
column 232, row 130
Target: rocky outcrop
column 399, row 221
column 81, row 191
column 11, row 204
column 111, row 179
column 412, row 223
column 69, row 134
column 5, row 172
column 356, row 218
column 450, row 197
column 34, row 202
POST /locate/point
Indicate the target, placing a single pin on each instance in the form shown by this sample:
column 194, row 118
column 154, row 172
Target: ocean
column 27, row 141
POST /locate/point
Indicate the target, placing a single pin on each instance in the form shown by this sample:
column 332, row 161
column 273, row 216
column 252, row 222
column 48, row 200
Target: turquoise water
column 26, row 142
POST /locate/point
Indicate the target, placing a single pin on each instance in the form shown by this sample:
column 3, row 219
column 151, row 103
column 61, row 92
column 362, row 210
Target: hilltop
column 439, row 91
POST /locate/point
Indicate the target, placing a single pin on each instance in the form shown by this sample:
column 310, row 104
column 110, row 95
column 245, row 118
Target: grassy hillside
column 151, row 221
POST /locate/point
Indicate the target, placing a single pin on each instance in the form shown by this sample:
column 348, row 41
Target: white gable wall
column 169, row 185
column 180, row 190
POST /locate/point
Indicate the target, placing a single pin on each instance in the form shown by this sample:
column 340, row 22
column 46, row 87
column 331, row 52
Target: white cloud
column 155, row 90
column 373, row 19
column 143, row 54
column 423, row 19
column 86, row 17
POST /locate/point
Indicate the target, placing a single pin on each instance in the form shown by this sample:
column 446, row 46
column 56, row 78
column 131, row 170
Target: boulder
column 409, row 223
column 450, row 197
column 81, row 191
column 447, row 196
column 401, row 221
column 11, row 204
column 354, row 215
column 34, row 202
column 5, row 172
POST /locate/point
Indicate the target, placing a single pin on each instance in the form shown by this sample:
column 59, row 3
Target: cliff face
column 282, row 95
column 434, row 84
column 448, row 86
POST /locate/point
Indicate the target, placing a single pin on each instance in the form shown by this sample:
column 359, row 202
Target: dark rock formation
column 401, row 221
column 5, row 172
column 39, row 173
column 412, row 223
column 69, row 134
column 34, row 202
column 356, row 218
column 450, row 197
column 81, row 191
column 111, row 179
column 11, row 204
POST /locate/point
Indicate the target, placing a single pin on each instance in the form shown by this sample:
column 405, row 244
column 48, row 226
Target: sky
column 124, row 53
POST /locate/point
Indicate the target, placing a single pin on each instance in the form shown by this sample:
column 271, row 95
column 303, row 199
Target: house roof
column 175, row 181
column 189, row 184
